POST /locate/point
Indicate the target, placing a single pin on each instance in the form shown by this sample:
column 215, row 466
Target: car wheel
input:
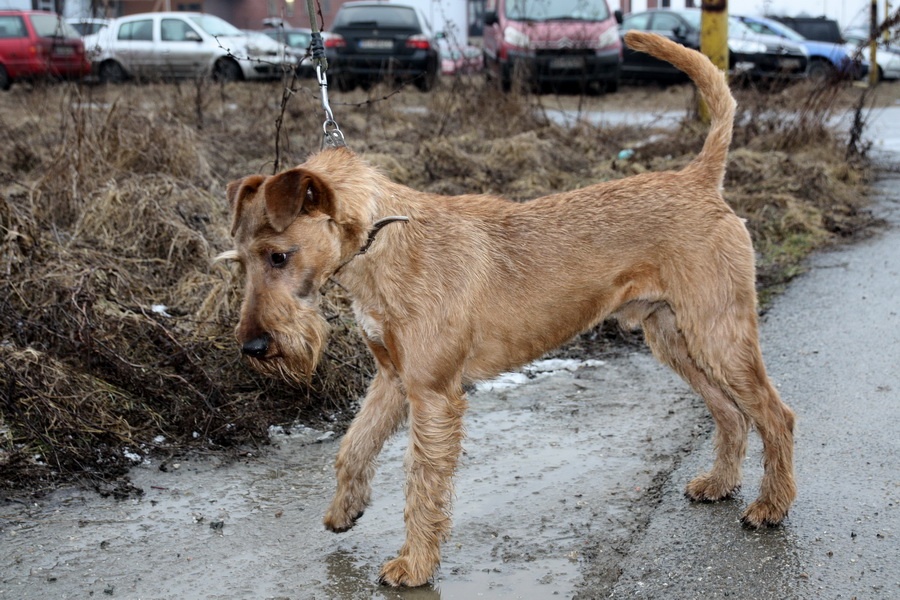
column 111, row 72
column 820, row 70
column 226, row 70
column 427, row 80
column 5, row 81
column 505, row 78
column 880, row 74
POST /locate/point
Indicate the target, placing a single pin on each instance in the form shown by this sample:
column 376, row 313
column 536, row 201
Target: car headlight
column 608, row 37
column 746, row 47
column 516, row 38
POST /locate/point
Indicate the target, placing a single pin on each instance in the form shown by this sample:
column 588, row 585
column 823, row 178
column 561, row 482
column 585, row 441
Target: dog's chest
column 370, row 320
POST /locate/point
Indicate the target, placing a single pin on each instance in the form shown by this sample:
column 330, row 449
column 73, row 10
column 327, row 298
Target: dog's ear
column 293, row 192
column 235, row 192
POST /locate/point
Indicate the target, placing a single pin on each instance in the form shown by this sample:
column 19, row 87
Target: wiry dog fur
column 475, row 285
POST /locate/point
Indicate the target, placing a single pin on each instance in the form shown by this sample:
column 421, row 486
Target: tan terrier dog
column 470, row 286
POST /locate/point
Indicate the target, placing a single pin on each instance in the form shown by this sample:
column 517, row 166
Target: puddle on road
column 552, row 486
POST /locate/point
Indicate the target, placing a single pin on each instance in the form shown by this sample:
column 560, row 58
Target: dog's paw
column 402, row 572
column 341, row 521
column 762, row 514
column 706, row 488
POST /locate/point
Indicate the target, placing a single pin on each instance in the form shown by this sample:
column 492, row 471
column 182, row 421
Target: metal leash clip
column 334, row 138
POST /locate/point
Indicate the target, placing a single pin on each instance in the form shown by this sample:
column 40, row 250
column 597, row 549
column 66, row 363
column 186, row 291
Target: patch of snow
column 132, row 456
column 160, row 309
column 536, row 370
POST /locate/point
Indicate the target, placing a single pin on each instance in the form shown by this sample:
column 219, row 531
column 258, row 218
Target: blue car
column 826, row 60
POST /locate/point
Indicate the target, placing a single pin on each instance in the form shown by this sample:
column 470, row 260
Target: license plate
column 567, row 62
column 63, row 50
column 376, row 44
column 789, row 64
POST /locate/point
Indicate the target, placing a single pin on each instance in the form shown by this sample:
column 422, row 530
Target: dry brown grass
column 112, row 203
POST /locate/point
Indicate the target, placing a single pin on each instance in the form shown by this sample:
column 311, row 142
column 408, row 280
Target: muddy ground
column 560, row 471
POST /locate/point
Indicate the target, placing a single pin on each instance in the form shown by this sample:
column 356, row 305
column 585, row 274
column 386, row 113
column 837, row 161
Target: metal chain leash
column 333, row 137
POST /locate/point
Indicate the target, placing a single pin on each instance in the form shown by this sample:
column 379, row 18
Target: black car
column 371, row 41
column 751, row 55
column 819, row 29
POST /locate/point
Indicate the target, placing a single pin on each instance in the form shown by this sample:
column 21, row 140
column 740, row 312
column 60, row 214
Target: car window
column 693, row 18
column 11, row 26
column 298, row 40
column 823, row 31
column 665, row 22
column 137, row 30
column 51, row 26
column 639, row 22
column 399, row 17
column 175, row 30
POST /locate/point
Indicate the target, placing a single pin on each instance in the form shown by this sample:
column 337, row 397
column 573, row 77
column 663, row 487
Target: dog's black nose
column 257, row 347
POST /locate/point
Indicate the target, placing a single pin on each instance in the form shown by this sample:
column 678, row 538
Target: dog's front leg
column 435, row 443
column 383, row 411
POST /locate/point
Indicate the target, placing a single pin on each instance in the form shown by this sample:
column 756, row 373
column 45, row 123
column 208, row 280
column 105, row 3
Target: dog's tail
column 714, row 89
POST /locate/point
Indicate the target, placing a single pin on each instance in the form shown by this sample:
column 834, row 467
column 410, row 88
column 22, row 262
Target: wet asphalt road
column 832, row 346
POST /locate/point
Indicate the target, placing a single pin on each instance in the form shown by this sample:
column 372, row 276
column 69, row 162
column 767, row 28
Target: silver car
column 887, row 58
column 183, row 44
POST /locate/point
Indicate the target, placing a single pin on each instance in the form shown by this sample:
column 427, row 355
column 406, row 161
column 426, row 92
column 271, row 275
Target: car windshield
column 215, row 26
column 393, row 17
column 551, row 10
column 51, row 26
column 737, row 29
column 784, row 31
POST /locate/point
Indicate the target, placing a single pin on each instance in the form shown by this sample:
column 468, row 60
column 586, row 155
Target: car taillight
column 335, row 41
column 418, row 42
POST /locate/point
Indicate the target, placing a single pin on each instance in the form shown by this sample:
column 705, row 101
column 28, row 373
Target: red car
column 36, row 44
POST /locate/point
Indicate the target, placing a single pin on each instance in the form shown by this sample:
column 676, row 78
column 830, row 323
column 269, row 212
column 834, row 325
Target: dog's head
column 290, row 236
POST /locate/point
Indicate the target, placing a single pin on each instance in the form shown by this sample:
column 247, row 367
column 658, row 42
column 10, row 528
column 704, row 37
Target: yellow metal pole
column 714, row 39
column 873, row 43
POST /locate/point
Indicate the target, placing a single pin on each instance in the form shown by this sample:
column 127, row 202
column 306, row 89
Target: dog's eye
column 278, row 259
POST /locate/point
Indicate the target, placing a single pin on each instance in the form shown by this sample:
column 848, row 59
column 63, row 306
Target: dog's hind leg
column 744, row 376
column 383, row 411
column 669, row 346
column 724, row 343
column 435, row 444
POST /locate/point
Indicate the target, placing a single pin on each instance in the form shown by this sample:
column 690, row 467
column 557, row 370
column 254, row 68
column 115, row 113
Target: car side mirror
column 679, row 32
column 192, row 36
column 490, row 18
column 618, row 15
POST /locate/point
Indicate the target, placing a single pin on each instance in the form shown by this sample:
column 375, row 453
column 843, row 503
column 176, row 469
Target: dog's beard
column 296, row 351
